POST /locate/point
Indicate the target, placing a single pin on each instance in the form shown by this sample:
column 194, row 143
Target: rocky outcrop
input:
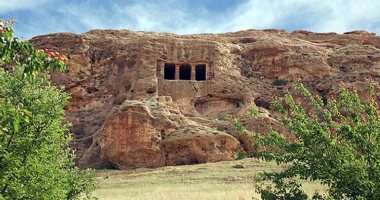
column 152, row 134
column 129, row 138
column 126, row 113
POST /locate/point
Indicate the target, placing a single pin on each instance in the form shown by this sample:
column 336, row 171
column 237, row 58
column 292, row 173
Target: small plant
column 254, row 112
column 239, row 126
column 242, row 154
column 225, row 117
column 337, row 144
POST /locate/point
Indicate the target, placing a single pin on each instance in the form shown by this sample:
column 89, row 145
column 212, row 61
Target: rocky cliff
column 143, row 99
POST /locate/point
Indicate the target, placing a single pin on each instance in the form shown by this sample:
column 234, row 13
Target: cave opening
column 200, row 72
column 169, row 71
column 185, row 72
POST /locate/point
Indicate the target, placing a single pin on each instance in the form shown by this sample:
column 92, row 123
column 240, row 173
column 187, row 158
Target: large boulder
column 151, row 133
column 129, row 139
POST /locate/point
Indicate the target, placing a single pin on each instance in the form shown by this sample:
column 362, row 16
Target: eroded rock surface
column 151, row 133
column 116, row 76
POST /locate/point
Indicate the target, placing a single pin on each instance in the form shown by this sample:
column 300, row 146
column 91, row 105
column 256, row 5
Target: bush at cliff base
column 35, row 161
column 336, row 143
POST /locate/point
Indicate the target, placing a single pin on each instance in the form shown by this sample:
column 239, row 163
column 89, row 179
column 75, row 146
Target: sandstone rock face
column 153, row 134
column 129, row 139
column 139, row 99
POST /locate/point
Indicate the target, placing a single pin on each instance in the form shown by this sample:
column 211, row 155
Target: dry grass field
column 191, row 182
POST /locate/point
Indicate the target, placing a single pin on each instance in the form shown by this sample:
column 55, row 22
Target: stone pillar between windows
column 192, row 72
column 177, row 72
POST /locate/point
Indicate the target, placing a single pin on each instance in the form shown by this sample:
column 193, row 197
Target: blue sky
column 37, row 17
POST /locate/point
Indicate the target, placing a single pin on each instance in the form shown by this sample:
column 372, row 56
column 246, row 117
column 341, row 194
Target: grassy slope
column 204, row 181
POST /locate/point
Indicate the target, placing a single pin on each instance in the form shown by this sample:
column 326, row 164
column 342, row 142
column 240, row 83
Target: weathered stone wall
column 109, row 68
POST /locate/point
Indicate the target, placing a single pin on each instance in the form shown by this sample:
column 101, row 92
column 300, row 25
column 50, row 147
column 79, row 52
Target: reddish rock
column 200, row 147
column 109, row 69
column 150, row 133
column 129, row 139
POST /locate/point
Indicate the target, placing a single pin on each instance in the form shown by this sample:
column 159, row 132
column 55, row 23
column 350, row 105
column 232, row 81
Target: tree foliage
column 337, row 144
column 35, row 161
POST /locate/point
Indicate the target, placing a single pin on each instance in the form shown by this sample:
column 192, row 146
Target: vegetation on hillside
column 35, row 161
column 336, row 143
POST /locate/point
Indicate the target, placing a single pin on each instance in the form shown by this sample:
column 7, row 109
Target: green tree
column 336, row 143
column 35, row 160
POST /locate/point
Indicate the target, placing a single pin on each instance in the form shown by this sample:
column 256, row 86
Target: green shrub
column 242, row 154
column 336, row 144
column 35, row 161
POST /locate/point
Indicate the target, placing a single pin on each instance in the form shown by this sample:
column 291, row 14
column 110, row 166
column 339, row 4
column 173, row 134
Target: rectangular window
column 169, row 71
column 185, row 72
column 200, row 72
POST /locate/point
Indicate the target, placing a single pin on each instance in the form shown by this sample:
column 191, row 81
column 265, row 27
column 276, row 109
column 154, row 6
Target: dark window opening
column 169, row 71
column 200, row 72
column 185, row 72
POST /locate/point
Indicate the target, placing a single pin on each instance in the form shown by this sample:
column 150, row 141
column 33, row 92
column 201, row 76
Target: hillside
column 144, row 99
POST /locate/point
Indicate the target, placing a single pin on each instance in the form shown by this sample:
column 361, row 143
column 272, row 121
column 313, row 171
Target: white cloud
column 326, row 16
column 184, row 18
column 82, row 15
column 342, row 16
column 13, row 5
column 171, row 16
column 315, row 15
